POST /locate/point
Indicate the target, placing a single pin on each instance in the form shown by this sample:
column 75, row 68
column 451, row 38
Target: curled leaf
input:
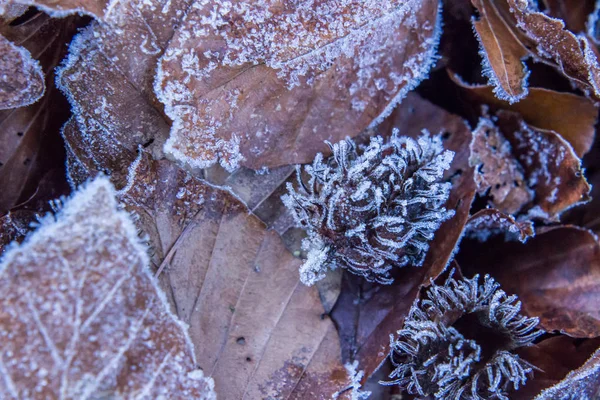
column 488, row 222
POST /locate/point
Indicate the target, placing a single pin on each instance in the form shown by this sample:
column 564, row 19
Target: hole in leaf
column 241, row 340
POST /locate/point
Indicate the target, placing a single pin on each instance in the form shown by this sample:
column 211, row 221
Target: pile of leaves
column 146, row 252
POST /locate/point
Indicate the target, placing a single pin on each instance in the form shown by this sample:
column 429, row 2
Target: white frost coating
column 371, row 208
column 431, row 358
column 302, row 41
column 493, row 80
column 355, row 378
column 580, row 384
column 78, row 311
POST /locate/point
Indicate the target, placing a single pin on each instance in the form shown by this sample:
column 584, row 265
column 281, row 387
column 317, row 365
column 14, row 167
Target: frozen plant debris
column 81, row 317
column 458, row 341
column 371, row 208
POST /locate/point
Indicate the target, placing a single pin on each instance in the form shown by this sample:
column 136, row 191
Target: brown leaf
column 554, row 358
column 14, row 227
column 30, row 144
column 366, row 314
column 21, row 77
column 552, row 169
column 502, row 53
column 574, row 13
column 81, row 316
column 497, row 170
column 555, row 274
column 488, row 222
column 574, row 56
column 229, row 278
column 270, row 96
column 582, row 383
column 573, row 117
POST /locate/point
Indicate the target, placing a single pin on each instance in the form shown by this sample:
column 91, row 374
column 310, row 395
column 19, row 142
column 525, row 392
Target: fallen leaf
column 502, row 52
column 554, row 358
column 30, row 143
column 582, row 383
column 497, row 170
column 574, row 56
column 21, row 77
column 552, row 168
column 270, row 96
column 573, row 117
column 366, row 314
column 81, row 316
column 490, row 222
column 574, row 13
column 556, row 275
column 249, row 316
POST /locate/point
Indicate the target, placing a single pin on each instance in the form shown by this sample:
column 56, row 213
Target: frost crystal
column 432, row 357
column 370, row 208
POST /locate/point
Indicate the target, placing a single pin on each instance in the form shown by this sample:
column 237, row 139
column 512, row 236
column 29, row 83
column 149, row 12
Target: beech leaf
column 573, row 117
column 264, row 83
column 555, row 274
column 21, row 77
column 502, row 53
column 488, row 222
column 81, row 315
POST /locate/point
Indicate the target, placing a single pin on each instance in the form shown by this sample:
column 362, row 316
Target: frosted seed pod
column 371, row 208
column 458, row 342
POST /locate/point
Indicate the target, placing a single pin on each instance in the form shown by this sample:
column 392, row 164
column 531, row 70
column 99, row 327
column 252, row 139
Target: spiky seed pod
column 457, row 343
column 370, row 208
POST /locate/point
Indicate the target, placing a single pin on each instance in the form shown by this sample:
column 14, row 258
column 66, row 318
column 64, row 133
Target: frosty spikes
column 433, row 358
column 371, row 208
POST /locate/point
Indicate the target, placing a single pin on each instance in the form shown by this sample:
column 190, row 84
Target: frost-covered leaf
column 365, row 315
column 502, row 53
column 573, row 117
column 556, row 275
column 30, row 145
column 575, row 56
column 21, row 77
column 526, row 170
column 259, row 83
column 580, row 384
column 489, row 222
column 574, row 13
column 82, row 317
column 229, row 278
column 497, row 171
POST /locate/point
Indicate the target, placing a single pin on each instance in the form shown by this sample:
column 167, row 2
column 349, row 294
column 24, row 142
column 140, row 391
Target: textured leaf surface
column 488, row 222
column 21, row 77
column 229, row 278
column 81, row 315
column 265, row 82
column 555, row 274
column 502, row 53
column 573, row 117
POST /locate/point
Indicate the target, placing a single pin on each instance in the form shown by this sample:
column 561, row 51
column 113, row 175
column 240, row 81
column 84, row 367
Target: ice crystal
column 371, row 208
column 432, row 357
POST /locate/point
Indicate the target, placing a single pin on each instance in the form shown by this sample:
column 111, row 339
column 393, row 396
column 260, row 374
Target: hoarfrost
column 84, row 318
column 367, row 54
column 355, row 378
column 371, row 208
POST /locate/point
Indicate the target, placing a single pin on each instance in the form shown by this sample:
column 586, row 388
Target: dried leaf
column 582, row 383
column 573, row 117
column 555, row 274
column 270, row 96
column 30, row 144
column 249, row 316
column 497, row 170
column 574, row 13
column 365, row 315
column 489, row 222
column 574, row 56
column 502, row 53
column 80, row 312
column 22, row 80
column 526, row 170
